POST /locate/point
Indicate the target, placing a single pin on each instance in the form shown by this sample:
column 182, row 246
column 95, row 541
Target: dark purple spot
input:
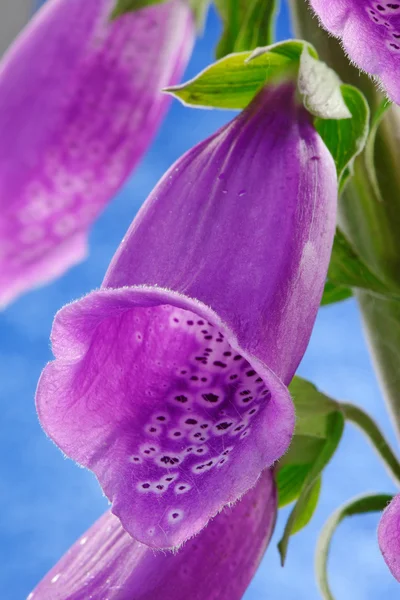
column 248, row 399
column 250, row 373
column 177, row 434
column 190, row 322
column 223, row 426
column 194, row 378
column 160, row 418
column 200, row 322
column 197, row 435
column 168, row 478
column 153, row 429
column 258, row 380
column 265, row 392
column 245, row 393
column 181, row 487
column 227, row 353
column 204, row 378
column 145, row 486
column 252, row 411
column 176, row 320
column 218, row 363
column 175, row 515
column 233, row 377
column 191, row 421
column 165, row 459
column 208, row 337
column 181, row 398
column 210, row 397
column 160, row 487
column 237, row 357
column 204, row 426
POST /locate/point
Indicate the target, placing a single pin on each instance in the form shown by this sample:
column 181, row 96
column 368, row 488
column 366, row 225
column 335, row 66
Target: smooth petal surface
column 216, row 565
column 389, row 536
column 171, row 389
column 244, row 222
column 370, row 33
column 80, row 100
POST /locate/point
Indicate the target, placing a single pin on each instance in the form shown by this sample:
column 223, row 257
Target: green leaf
column 347, row 269
column 247, row 24
column 369, row 154
column 313, row 427
column 346, row 138
column 233, row 81
column 357, row 506
column 334, row 433
column 289, row 481
column 335, row 293
column 312, row 408
column 125, row 6
column 304, row 516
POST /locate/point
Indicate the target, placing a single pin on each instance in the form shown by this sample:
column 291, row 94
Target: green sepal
column 346, row 138
column 233, row 81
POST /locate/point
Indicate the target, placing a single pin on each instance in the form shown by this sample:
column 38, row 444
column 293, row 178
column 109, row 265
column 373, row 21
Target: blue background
column 46, row 501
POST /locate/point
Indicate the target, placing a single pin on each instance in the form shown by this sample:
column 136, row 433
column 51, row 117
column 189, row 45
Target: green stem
column 368, row 426
column 371, row 221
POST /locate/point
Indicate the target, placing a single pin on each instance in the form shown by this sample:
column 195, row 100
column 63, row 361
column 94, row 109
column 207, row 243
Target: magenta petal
column 171, row 438
column 171, row 387
column 370, row 33
column 80, row 102
column 389, row 536
column 219, row 563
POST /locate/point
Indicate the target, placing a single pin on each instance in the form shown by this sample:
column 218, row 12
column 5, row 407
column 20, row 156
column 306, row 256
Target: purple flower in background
column 170, row 381
column 389, row 536
column 370, row 34
column 80, row 101
column 219, row 563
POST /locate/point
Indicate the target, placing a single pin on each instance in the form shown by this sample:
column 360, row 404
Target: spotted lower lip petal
column 74, row 123
column 389, row 536
column 107, row 563
column 170, row 381
column 370, row 33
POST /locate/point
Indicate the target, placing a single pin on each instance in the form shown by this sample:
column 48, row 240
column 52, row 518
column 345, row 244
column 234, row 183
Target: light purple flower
column 370, row 34
column 80, row 101
column 389, row 536
column 171, row 386
column 218, row 563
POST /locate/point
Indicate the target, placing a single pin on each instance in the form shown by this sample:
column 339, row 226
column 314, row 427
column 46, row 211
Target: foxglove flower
column 169, row 382
column 370, row 33
column 389, row 536
column 80, row 100
column 219, row 563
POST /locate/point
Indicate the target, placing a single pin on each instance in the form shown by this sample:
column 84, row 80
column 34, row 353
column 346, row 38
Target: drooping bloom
column 218, row 563
column 370, row 33
column 389, row 536
column 80, row 101
column 169, row 382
